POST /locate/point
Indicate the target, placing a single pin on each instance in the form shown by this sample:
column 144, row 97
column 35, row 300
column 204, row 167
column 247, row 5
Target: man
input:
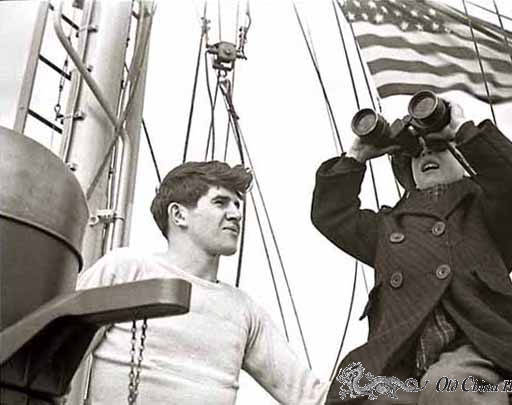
column 442, row 301
column 196, row 358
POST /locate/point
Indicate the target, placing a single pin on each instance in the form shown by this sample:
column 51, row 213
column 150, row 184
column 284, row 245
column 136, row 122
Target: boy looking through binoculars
column 442, row 301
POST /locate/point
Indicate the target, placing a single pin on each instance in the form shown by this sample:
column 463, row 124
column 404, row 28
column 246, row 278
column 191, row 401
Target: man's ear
column 177, row 214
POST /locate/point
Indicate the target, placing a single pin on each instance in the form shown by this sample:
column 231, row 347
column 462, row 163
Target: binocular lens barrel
column 428, row 109
column 368, row 124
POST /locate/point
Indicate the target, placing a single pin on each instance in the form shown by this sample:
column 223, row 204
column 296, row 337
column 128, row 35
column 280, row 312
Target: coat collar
column 416, row 203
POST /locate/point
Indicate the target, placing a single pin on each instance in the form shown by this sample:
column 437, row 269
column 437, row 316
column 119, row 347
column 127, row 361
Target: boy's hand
column 448, row 133
column 362, row 152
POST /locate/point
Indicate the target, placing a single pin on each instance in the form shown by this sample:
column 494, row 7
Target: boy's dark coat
column 457, row 252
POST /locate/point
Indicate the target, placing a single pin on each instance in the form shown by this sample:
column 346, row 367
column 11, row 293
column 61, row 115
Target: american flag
column 424, row 45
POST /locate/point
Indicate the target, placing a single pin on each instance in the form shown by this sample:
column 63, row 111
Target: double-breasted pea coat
column 455, row 252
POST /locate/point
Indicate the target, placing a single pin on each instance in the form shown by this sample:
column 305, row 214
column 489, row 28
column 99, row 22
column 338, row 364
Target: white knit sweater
column 195, row 358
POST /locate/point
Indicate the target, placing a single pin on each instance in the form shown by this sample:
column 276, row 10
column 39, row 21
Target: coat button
column 396, row 237
column 397, row 279
column 443, row 271
column 438, row 228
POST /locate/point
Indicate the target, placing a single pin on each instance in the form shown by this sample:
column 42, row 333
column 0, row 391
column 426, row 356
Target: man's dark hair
column 188, row 182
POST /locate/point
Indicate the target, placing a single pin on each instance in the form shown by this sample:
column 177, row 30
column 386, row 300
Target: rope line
column 349, row 65
column 242, row 240
column 233, row 74
column 490, row 11
column 213, row 103
column 270, row 266
column 365, row 281
column 276, row 245
column 233, row 120
column 374, row 184
column 220, row 19
column 317, row 70
column 505, row 37
column 470, row 23
column 242, row 143
column 347, row 322
column 153, row 157
column 228, row 127
column 337, row 145
column 194, row 87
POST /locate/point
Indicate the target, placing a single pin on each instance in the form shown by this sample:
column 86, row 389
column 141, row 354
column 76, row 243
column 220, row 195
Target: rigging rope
column 364, row 279
column 240, row 40
column 228, row 127
column 204, row 30
column 146, row 132
column 270, row 266
column 213, row 103
column 347, row 322
column 470, row 23
column 219, row 17
column 505, row 38
column 490, row 11
column 233, row 120
column 356, row 94
column 338, row 23
column 374, row 184
column 331, row 117
column 317, row 70
column 276, row 245
column 349, row 65
column 241, row 142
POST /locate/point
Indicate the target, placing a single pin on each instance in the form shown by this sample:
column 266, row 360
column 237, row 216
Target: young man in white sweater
column 196, row 358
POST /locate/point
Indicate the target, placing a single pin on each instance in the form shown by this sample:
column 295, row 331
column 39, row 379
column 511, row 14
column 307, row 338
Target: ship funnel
column 43, row 214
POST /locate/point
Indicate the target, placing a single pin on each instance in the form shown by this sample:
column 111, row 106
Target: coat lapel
column 416, row 203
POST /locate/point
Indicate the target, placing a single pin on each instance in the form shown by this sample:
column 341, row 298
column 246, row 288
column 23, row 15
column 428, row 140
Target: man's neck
column 193, row 261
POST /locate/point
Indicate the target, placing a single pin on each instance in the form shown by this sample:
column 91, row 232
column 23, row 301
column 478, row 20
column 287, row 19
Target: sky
column 284, row 122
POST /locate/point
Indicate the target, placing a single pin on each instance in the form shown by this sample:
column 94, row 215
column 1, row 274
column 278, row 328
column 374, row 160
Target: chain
column 57, row 108
column 135, row 368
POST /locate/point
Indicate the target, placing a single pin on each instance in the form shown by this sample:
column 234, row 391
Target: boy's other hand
column 362, row 151
column 457, row 118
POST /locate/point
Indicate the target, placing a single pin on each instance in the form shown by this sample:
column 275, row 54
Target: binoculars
column 427, row 113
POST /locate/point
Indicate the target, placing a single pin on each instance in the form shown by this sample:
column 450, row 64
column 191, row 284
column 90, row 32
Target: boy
column 442, row 301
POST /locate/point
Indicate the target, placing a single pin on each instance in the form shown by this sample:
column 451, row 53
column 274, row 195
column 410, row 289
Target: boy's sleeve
column 270, row 360
column 489, row 152
column 336, row 209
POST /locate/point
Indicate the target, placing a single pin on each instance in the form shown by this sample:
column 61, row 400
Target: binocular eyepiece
column 427, row 113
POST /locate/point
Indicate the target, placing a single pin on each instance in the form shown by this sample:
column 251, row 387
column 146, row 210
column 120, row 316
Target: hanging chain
column 135, row 368
column 57, row 108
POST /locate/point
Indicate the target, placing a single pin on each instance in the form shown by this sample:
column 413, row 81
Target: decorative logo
column 350, row 379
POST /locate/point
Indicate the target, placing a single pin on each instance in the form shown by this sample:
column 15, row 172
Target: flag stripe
column 498, row 46
column 385, row 31
column 394, row 89
column 412, row 67
column 439, row 81
column 374, row 53
column 429, row 49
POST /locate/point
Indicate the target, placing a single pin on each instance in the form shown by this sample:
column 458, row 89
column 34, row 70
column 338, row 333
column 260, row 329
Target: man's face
column 431, row 168
column 214, row 224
